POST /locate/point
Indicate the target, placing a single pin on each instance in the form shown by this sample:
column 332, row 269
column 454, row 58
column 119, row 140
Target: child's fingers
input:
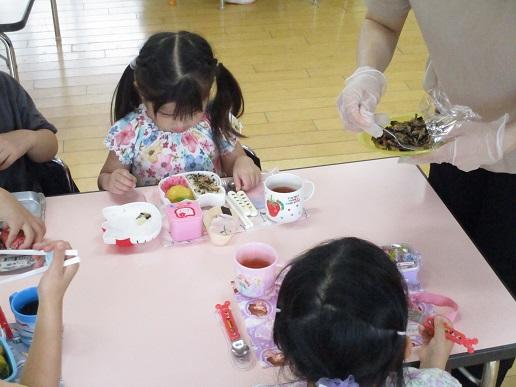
column 440, row 325
column 29, row 235
column 424, row 334
column 44, row 245
column 39, row 230
column 69, row 273
column 58, row 258
column 8, row 161
column 125, row 173
column 125, row 181
column 238, row 181
column 246, row 182
column 257, row 176
column 13, row 232
column 122, row 188
column 4, row 155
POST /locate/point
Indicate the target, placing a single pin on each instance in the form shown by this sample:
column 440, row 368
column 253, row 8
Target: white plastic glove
column 473, row 145
column 358, row 100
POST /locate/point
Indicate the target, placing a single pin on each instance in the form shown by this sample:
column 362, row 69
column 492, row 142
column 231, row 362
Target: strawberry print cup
column 285, row 194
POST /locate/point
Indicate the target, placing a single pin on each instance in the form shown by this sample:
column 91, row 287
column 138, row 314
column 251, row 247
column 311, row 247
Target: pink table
column 144, row 316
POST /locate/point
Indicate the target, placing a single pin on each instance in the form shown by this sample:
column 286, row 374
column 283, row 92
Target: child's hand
column 13, row 145
column 120, row 181
column 55, row 280
column 19, row 219
column 246, row 174
column 435, row 352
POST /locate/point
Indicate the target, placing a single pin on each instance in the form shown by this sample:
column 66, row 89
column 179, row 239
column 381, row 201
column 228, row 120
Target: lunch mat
column 257, row 315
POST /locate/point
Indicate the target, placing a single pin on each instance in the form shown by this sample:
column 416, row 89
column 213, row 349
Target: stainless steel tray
column 34, row 202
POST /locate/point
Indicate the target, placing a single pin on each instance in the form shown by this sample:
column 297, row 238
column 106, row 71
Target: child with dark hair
column 27, row 139
column 175, row 110
column 342, row 317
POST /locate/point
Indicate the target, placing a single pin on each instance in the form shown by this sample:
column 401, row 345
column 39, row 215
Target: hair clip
column 278, row 310
column 132, row 64
column 401, row 333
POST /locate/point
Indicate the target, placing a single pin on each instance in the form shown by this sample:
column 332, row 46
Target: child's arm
column 243, row 169
column 34, row 135
column 6, row 384
column 39, row 145
column 115, row 176
column 43, row 366
column 435, row 353
column 19, row 219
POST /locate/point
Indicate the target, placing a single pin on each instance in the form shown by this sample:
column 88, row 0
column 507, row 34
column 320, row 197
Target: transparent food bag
column 443, row 119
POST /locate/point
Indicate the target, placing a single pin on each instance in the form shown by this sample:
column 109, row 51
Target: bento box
column 204, row 187
column 408, row 262
column 8, row 368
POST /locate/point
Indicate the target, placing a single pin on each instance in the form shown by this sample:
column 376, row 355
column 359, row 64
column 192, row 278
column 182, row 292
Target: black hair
column 340, row 307
column 180, row 67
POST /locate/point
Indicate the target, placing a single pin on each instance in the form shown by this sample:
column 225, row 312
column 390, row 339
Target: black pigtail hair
column 228, row 99
column 341, row 305
column 125, row 98
column 188, row 97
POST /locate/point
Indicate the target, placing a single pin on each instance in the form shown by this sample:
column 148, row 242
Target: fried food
column 412, row 133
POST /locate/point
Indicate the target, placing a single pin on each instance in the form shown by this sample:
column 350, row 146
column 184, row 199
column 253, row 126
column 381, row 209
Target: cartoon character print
column 273, row 356
column 258, row 308
column 184, row 212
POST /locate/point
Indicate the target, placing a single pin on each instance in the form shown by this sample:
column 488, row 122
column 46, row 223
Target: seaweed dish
column 203, row 183
column 413, row 133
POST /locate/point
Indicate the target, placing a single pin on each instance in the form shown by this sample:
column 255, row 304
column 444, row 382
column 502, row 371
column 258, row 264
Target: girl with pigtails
column 175, row 110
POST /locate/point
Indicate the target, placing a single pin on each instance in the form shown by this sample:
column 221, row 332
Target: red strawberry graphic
column 273, row 207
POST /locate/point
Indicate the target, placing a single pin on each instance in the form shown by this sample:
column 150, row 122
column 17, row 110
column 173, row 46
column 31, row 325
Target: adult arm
column 364, row 88
column 379, row 36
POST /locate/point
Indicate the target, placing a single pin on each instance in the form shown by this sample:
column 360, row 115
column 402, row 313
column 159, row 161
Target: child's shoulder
column 415, row 377
column 130, row 118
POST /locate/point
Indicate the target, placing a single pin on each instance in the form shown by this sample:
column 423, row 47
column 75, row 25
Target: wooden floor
column 290, row 57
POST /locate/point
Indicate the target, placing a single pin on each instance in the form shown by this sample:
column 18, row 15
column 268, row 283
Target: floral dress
column 413, row 377
column 153, row 154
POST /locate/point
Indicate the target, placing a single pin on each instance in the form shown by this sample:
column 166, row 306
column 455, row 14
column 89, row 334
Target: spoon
column 239, row 348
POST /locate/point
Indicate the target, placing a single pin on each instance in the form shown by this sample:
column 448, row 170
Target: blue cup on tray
column 24, row 305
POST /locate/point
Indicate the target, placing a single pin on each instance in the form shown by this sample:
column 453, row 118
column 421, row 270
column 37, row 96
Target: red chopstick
column 5, row 325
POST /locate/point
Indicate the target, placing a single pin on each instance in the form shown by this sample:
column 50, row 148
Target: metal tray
column 34, row 202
